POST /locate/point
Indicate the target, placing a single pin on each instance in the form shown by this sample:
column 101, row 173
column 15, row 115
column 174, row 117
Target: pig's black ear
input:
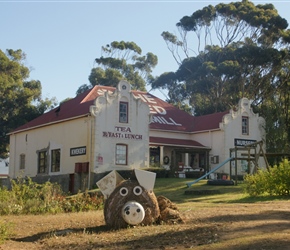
column 146, row 179
column 108, row 183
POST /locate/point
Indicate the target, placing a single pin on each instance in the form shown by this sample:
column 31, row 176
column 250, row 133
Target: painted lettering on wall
column 122, row 133
column 102, row 91
column 158, row 111
column 122, row 129
column 162, row 120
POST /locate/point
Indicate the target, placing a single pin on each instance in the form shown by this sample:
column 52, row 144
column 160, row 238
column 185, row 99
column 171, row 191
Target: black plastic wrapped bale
column 220, row 182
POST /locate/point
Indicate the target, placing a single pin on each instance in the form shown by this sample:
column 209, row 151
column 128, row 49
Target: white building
column 4, row 167
column 110, row 128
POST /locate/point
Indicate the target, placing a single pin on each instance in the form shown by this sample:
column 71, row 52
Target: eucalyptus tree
column 226, row 52
column 276, row 109
column 20, row 98
column 122, row 60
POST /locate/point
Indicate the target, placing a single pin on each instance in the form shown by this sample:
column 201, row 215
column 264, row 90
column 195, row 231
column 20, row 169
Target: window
column 55, row 160
column 121, row 154
column 123, row 112
column 22, row 161
column 42, row 162
column 245, row 125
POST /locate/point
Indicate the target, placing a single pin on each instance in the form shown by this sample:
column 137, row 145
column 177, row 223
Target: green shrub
column 160, row 172
column 82, row 202
column 276, row 181
column 5, row 231
column 28, row 197
column 6, row 200
column 33, row 197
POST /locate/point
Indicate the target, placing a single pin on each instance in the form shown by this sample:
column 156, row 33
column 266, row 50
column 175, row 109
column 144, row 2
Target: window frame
column 55, row 160
column 119, row 154
column 123, row 114
column 245, row 125
column 22, row 161
column 42, row 162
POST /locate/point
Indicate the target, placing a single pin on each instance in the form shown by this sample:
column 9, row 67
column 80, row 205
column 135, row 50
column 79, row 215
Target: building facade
column 110, row 128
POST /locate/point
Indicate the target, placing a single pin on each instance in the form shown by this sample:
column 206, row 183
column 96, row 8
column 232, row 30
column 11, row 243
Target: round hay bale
column 130, row 191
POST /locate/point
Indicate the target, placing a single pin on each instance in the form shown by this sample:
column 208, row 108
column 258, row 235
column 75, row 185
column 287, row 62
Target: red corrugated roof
column 174, row 142
column 208, row 122
column 168, row 117
column 165, row 115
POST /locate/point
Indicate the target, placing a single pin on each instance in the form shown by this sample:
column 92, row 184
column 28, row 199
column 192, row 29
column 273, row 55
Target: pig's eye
column 124, row 191
column 137, row 190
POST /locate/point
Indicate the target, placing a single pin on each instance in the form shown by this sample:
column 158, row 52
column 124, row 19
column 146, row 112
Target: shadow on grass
column 191, row 236
column 64, row 232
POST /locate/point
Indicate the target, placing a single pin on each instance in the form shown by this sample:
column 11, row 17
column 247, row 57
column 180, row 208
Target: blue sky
column 62, row 38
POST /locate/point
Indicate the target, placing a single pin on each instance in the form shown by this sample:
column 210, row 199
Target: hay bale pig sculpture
column 132, row 202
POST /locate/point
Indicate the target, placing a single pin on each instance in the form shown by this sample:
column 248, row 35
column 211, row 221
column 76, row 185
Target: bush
column 276, row 181
column 28, row 197
column 5, row 231
column 160, row 172
column 33, row 198
column 82, row 202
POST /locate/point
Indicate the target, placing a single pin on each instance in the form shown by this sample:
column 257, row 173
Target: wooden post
column 249, row 160
column 236, row 166
column 230, row 164
column 173, row 163
column 264, row 155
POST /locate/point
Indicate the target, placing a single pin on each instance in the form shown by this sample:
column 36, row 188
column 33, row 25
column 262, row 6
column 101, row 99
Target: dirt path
column 263, row 225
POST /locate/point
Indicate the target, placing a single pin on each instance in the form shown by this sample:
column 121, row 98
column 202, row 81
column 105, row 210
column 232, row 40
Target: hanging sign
column 243, row 142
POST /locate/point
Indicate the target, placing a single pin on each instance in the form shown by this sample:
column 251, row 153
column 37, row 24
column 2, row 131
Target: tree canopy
column 20, row 98
column 229, row 51
column 122, row 60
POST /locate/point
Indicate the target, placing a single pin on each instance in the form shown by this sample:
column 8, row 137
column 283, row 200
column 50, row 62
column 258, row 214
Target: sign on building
column 78, row 151
column 243, row 142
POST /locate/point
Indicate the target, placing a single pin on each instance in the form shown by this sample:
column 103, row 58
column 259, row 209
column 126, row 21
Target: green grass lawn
column 174, row 189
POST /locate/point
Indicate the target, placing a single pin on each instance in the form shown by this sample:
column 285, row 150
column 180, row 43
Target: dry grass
column 225, row 221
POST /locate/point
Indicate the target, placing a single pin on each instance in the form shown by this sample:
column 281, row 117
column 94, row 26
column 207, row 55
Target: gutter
column 179, row 145
column 186, row 132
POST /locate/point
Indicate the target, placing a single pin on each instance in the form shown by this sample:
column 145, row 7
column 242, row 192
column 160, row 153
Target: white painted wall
column 64, row 135
column 220, row 141
column 232, row 125
column 106, row 111
column 90, row 132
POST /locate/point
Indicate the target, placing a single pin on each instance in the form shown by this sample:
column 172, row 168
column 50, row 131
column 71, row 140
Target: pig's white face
column 133, row 213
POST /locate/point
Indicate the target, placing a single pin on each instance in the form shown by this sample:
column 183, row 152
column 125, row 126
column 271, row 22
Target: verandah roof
column 161, row 141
